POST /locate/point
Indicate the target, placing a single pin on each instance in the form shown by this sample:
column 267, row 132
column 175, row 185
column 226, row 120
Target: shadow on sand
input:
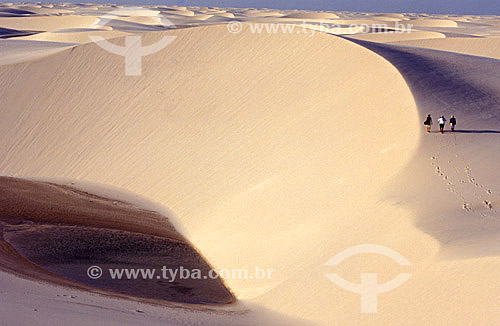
column 468, row 132
column 475, row 131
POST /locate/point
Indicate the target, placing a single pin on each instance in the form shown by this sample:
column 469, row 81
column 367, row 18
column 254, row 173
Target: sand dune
column 388, row 19
column 483, row 47
column 47, row 23
column 229, row 164
column 493, row 22
column 201, row 17
column 389, row 15
column 433, row 22
column 399, row 36
column 260, row 13
column 77, row 36
column 472, row 92
column 15, row 11
column 131, row 26
column 45, row 10
column 10, row 33
column 313, row 15
column 14, row 51
column 273, row 150
column 182, row 12
column 224, row 14
column 147, row 20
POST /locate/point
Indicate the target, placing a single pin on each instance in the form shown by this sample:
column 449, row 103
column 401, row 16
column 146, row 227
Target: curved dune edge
column 483, row 47
column 399, row 36
column 452, row 186
column 35, row 215
column 15, row 51
column 446, row 83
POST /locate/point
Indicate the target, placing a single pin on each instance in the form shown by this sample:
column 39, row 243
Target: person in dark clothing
column 428, row 122
column 453, row 123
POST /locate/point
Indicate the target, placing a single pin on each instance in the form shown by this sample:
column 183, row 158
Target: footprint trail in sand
column 456, row 172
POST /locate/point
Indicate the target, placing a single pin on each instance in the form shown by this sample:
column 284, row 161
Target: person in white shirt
column 442, row 122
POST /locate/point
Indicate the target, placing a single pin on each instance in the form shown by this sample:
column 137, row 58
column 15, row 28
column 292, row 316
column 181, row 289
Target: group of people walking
column 442, row 123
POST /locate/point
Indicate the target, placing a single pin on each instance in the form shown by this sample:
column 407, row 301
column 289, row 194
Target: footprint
column 466, row 207
column 488, row 204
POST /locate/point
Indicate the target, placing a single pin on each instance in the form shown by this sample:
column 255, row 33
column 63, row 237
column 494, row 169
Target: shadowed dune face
column 14, row 11
column 9, row 33
column 65, row 231
column 436, row 77
column 443, row 83
column 476, row 46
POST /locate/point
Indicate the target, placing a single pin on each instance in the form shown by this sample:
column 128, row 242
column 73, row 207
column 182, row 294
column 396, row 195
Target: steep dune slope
column 484, row 47
column 467, row 86
column 452, row 185
column 273, row 150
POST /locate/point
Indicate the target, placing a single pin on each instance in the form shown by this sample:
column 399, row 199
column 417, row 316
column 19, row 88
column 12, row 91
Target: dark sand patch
column 55, row 232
